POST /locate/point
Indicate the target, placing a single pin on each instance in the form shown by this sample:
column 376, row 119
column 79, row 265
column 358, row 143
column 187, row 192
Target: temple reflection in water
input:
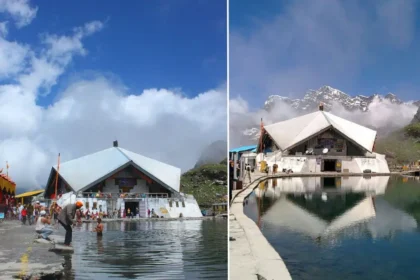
column 327, row 209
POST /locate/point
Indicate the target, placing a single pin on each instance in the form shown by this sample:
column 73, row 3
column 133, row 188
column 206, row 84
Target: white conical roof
column 82, row 172
column 289, row 133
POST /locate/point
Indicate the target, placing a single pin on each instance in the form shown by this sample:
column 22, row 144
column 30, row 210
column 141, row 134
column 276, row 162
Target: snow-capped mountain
column 329, row 97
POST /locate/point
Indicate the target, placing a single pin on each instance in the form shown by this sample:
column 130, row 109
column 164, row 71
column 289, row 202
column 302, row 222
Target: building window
column 183, row 204
column 170, row 203
column 95, row 204
column 87, row 204
column 177, row 204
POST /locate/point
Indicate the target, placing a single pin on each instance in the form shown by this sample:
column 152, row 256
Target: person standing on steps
column 66, row 219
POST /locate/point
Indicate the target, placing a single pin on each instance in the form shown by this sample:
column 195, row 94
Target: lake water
column 194, row 249
column 341, row 228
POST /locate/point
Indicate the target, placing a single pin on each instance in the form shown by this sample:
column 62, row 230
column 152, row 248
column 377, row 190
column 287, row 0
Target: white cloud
column 12, row 58
column 92, row 112
column 382, row 115
column 62, row 48
column 3, row 29
column 19, row 10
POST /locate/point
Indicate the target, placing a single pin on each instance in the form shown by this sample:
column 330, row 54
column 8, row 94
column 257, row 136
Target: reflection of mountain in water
column 321, row 213
column 405, row 195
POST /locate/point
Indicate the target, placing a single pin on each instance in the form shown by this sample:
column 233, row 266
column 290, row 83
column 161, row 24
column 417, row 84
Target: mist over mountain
column 382, row 113
column 213, row 154
column 416, row 118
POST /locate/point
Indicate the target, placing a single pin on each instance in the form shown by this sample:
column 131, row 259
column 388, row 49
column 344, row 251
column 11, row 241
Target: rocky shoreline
column 23, row 258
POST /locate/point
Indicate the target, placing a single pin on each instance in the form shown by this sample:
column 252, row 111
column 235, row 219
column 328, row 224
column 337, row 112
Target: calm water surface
column 344, row 228
column 150, row 250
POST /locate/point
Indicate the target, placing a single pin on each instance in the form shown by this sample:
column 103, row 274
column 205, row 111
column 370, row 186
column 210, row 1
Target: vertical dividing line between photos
column 228, row 133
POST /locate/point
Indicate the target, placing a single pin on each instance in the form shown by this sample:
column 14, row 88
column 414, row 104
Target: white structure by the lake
column 320, row 142
column 117, row 179
column 276, row 187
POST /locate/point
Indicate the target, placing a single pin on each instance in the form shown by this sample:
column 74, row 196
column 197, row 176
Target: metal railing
column 107, row 195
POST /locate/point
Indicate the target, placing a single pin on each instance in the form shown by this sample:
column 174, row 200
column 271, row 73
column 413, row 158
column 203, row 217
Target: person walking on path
column 20, row 208
column 23, row 215
column 31, row 217
column 66, row 217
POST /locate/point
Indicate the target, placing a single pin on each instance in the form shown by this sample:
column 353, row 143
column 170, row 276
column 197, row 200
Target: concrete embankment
column 22, row 258
column 251, row 256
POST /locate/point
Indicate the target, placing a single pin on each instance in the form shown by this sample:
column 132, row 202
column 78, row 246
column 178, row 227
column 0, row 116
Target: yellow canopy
column 7, row 185
column 32, row 193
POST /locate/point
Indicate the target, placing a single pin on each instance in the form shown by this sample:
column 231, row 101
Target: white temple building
column 320, row 142
column 116, row 179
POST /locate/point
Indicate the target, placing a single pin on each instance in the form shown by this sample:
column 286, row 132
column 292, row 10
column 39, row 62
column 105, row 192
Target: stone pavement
column 21, row 257
column 251, row 256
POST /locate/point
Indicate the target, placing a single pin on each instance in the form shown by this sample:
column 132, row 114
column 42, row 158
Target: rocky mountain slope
column 403, row 145
column 416, row 118
column 329, row 97
column 207, row 183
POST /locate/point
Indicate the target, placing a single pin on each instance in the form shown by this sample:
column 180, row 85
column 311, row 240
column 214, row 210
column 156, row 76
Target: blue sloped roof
column 82, row 172
column 244, row 149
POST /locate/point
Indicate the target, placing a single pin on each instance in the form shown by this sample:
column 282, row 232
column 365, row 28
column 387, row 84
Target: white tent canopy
column 289, row 133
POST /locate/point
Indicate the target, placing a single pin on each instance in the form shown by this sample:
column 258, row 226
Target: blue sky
column 77, row 75
column 146, row 44
column 287, row 47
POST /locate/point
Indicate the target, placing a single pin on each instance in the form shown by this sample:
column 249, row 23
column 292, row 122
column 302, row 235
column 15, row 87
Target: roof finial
column 321, row 106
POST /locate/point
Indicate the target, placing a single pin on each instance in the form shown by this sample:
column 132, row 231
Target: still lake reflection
column 189, row 249
column 341, row 228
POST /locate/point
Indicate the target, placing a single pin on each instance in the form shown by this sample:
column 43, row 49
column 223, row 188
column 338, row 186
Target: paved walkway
column 251, row 256
column 21, row 257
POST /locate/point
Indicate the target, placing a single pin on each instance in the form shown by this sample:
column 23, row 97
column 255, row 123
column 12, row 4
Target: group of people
column 65, row 217
column 28, row 213
column 131, row 214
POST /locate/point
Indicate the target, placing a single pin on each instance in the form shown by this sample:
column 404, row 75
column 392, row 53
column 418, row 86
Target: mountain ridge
column 329, row 97
column 327, row 94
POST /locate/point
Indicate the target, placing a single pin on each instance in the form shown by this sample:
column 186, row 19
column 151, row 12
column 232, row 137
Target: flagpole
column 56, row 178
column 7, row 169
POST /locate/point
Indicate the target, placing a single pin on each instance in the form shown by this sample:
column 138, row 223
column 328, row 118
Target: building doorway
column 133, row 206
column 329, row 165
column 331, row 182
